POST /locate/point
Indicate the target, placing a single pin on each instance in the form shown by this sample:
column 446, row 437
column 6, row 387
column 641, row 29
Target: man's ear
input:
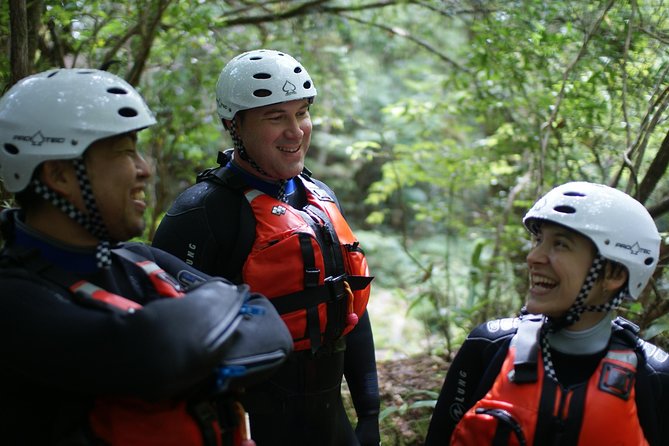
column 60, row 176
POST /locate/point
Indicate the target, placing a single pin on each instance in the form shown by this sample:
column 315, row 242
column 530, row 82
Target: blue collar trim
column 71, row 258
column 270, row 188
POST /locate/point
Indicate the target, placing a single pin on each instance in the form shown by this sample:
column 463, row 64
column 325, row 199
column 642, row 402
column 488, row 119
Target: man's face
column 118, row 175
column 277, row 138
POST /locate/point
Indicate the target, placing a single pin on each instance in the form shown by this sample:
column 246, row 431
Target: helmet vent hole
column 117, row 90
column 262, row 76
column 11, row 149
column 128, row 112
column 307, row 85
column 297, row 70
column 574, row 194
column 256, row 58
column 649, row 261
column 262, row 93
column 564, row 209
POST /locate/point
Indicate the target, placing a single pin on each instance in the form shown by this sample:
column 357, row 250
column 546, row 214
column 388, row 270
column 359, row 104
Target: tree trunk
column 20, row 62
column 655, row 171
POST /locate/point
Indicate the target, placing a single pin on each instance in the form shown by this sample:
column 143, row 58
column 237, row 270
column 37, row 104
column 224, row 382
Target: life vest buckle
column 336, row 288
column 616, row 380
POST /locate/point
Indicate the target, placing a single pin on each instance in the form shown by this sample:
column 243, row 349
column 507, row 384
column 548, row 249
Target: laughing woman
column 567, row 372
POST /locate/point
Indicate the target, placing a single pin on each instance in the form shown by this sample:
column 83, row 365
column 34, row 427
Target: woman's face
column 558, row 264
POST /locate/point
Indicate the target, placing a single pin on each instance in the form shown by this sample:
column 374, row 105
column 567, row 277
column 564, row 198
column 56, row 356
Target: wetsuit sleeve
column 468, row 378
column 159, row 351
column 662, row 396
column 362, row 380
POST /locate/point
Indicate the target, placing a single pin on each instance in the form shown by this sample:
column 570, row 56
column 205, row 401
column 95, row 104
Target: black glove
column 367, row 430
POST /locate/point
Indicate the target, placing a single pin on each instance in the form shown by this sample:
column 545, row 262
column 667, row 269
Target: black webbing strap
column 237, row 245
column 314, row 329
column 311, row 297
column 311, row 273
column 334, row 261
column 311, row 276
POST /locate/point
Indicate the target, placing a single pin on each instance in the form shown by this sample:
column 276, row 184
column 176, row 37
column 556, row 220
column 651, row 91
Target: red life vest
column 127, row 421
column 309, row 264
column 601, row 411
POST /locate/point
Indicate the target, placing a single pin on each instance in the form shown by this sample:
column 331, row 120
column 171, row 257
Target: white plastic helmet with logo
column 57, row 114
column 258, row 78
column 620, row 227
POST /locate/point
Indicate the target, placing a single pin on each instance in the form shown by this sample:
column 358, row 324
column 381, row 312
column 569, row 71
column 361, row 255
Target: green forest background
column 438, row 123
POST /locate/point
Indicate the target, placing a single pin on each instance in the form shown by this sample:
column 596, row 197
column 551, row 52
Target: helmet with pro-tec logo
column 620, row 227
column 58, row 113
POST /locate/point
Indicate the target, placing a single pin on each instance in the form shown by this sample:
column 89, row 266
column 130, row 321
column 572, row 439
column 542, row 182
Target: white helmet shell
column 258, row 78
column 620, row 227
column 57, row 114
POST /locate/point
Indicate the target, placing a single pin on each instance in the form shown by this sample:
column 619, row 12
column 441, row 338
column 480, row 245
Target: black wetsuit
column 301, row 405
column 59, row 354
column 479, row 361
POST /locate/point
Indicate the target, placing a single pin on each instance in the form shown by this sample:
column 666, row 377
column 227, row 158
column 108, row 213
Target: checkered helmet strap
column 91, row 221
column 574, row 313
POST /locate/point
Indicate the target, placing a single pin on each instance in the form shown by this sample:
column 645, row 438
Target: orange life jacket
column 601, row 411
column 309, row 264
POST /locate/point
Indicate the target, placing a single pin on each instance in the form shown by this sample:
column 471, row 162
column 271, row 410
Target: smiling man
column 103, row 341
column 260, row 218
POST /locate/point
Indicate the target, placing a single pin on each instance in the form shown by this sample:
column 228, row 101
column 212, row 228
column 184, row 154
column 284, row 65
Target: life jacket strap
column 86, row 290
column 526, row 341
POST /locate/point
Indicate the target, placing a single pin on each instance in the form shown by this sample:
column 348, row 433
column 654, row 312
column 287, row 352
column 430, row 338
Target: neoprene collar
column 268, row 187
column 82, row 260
column 585, row 342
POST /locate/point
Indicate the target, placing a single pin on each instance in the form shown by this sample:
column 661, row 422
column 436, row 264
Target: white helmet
column 57, row 114
column 620, row 227
column 258, row 78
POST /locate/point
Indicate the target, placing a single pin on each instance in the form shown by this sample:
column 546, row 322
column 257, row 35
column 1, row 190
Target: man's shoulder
column 200, row 194
column 18, row 276
column 16, row 273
